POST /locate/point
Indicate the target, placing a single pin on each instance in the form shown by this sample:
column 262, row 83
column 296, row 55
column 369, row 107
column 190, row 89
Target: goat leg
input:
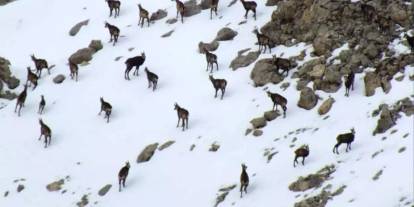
column 178, row 123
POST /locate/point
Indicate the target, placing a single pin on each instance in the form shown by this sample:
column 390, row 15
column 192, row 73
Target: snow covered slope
column 91, row 151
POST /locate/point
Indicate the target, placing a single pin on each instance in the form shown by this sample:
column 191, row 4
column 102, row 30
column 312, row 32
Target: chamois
column 213, row 7
column 42, row 105
column 180, row 9
column 113, row 31
column 183, row 115
column 263, row 40
column 31, row 78
column 211, row 60
column 410, row 41
column 46, row 132
column 143, row 14
column 346, row 138
column 219, row 84
column 107, row 108
column 152, row 79
column 349, row 82
column 282, row 63
column 114, row 5
column 244, row 180
column 303, row 152
column 122, row 175
column 134, row 62
column 249, row 5
column 73, row 67
column 20, row 100
column 40, row 64
column 278, row 99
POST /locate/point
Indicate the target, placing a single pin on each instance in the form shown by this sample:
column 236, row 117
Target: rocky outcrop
column 307, row 99
column 264, row 72
column 225, row 34
column 6, row 75
column 390, row 114
column 147, row 153
column 312, row 180
column 372, row 81
column 75, row 29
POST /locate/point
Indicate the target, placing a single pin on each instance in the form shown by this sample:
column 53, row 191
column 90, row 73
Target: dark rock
column 83, row 202
column 20, row 188
column 308, row 99
column 385, row 122
column 191, row 8
column 8, row 95
column 205, row 4
column 319, row 200
column 75, row 29
column 55, row 186
column 209, row 46
column 271, row 115
column 96, row 45
column 147, row 153
column 244, row 60
column 166, row 145
column 4, row 2
column 171, row 21
column 82, row 55
column 214, row 147
column 257, row 133
column 225, row 34
column 258, row 122
column 264, row 72
column 160, row 14
column 167, row 34
column 312, row 180
column 59, row 79
column 104, row 190
column 272, row 2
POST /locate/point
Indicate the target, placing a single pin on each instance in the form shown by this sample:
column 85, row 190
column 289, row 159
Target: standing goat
column 113, row 31
column 183, row 115
column 114, row 5
column 219, row 84
column 20, row 100
column 122, row 175
column 213, row 7
column 249, row 5
column 143, row 14
column 31, row 78
column 180, row 9
column 410, row 41
column 263, row 40
column 303, row 152
column 346, row 138
column 277, row 99
column 349, row 82
column 73, row 67
column 134, row 62
column 46, row 132
column 42, row 105
column 244, row 180
column 152, row 79
column 40, row 65
column 282, row 63
column 107, row 108
column 211, row 60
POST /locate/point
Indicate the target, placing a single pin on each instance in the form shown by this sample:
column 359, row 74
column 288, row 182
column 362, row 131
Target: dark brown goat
column 40, row 65
column 211, row 59
column 73, row 70
column 249, row 5
column 42, row 105
column 219, row 84
column 143, row 14
column 346, row 138
column 20, row 100
column 136, row 62
column 122, row 175
column 410, row 40
column 114, row 5
column 263, row 41
column 107, row 108
column 113, row 31
column 31, row 78
column 183, row 114
column 303, row 152
column 213, row 7
column 180, row 9
column 349, row 82
column 46, row 132
column 278, row 99
column 152, row 79
column 282, row 63
column 244, row 180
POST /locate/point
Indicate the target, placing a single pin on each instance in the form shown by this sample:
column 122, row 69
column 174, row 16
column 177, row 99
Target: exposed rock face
column 244, row 60
column 147, row 153
column 159, row 14
column 264, row 72
column 258, row 122
column 59, row 79
column 326, row 106
column 225, row 34
column 75, row 29
column 55, row 186
column 212, row 46
column 6, row 75
column 312, row 180
column 308, row 99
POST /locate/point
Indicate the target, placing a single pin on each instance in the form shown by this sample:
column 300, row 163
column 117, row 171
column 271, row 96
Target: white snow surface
column 177, row 176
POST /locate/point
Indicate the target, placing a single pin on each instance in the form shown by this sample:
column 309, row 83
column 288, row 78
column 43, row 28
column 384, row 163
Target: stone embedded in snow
column 59, row 79
column 326, row 106
column 160, row 14
column 259, row 122
column 147, row 153
column 308, row 99
column 225, row 34
column 166, row 145
column 104, row 190
column 244, row 60
column 55, row 186
column 75, row 29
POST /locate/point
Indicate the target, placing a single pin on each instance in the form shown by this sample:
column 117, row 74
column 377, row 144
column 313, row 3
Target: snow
column 177, row 176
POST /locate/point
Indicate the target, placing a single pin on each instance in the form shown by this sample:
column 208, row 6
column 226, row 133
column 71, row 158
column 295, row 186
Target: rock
column 83, row 202
column 385, row 85
column 4, row 2
column 214, row 147
column 257, row 133
column 82, row 55
column 6, row 193
column 312, row 180
column 59, row 79
column 167, row 34
column 96, row 45
column 322, row 45
column 372, row 81
column 147, row 153
column 385, row 122
column 398, row 13
column 371, row 51
column 317, row 71
column 225, row 34
column 406, row 106
column 247, row 132
column 104, row 190
column 264, row 72
column 205, row 4
column 244, row 60
column 285, row 85
column 20, row 188
column 191, row 8
column 332, row 76
column 308, row 99
column 319, row 200
column 75, row 29
column 166, row 145
column 12, row 82
column 220, row 198
column 55, row 186
column 272, row 2
column 271, row 115
column 326, row 106
column 258, row 122
column 6, row 75
column 8, row 95
column 159, row 14
column 208, row 46
column 1, row 86
column 171, row 21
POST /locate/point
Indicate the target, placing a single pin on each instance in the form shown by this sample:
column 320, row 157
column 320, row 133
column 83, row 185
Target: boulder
column 319, row 200
column 332, row 76
column 82, row 55
column 159, row 14
column 205, row 4
column 271, row 115
column 191, row 8
column 258, row 122
column 96, row 45
column 104, row 190
column 147, row 153
column 59, row 79
column 55, row 186
column 212, row 46
column 167, row 34
column 225, row 34
column 6, row 75
column 244, row 60
column 75, row 29
column 264, row 72
column 312, row 180
column 372, row 81
column 322, row 45
column 308, row 99
column 317, row 71
column 272, row 2
column 385, row 122
column 257, row 133
column 326, row 106
column 8, row 95
column 166, row 145
column 20, row 188
column 171, row 21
